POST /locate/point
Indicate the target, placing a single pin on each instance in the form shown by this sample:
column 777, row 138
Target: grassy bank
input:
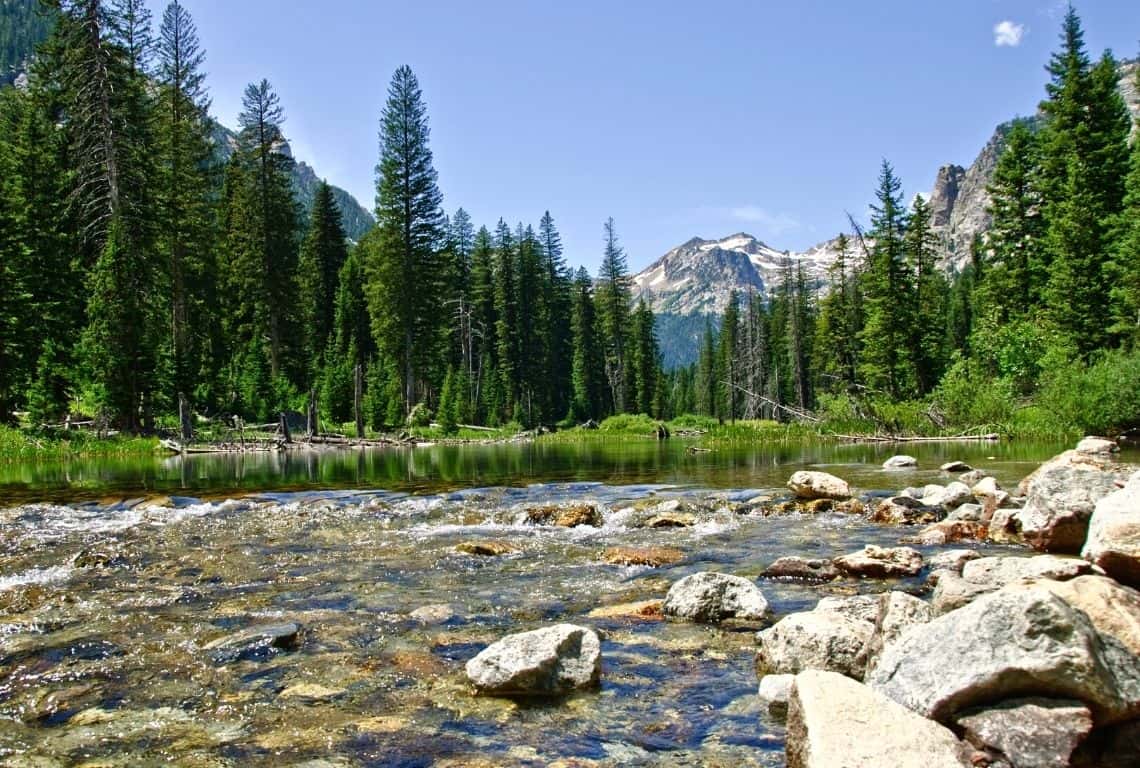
column 21, row 445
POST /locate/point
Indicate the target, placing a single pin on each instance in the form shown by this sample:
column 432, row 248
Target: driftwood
column 989, row 437
column 796, row 412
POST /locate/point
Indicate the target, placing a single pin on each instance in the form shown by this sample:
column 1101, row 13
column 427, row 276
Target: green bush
column 630, row 423
column 1099, row 397
column 969, row 398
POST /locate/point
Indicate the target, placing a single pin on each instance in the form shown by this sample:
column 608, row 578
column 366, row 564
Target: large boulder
column 900, row 462
column 999, row 571
column 1097, row 446
column 952, row 592
column 1016, row 642
column 713, row 597
column 1029, row 733
column 1114, row 534
column 1113, row 609
column 881, row 562
column 1095, row 462
column 834, row 721
column 832, row 640
column 1058, row 506
column 801, row 569
column 819, row 485
column 544, row 662
column 898, row 612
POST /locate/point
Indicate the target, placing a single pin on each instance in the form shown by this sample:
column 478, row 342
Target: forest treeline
column 1043, row 322
column 137, row 272
column 135, row 268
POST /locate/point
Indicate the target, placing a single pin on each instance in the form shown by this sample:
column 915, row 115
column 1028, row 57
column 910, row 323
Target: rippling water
column 105, row 607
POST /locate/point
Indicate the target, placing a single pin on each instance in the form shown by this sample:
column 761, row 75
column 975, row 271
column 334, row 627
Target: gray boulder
column 834, row 722
column 1029, row 733
column 544, row 662
column 819, row 485
column 861, row 607
column 1059, row 504
column 956, row 467
column 832, row 640
column 952, row 559
column 713, row 597
column 949, row 498
column 1097, row 446
column 1114, row 534
column 1013, row 643
column 898, row 612
column 801, row 569
column 900, row 462
column 999, row 571
column 881, row 562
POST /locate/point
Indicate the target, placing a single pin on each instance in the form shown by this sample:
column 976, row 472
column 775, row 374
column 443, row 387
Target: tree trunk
column 187, row 428
column 311, row 414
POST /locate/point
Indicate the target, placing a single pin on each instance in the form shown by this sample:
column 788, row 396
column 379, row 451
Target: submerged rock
column 1114, row 534
column 1042, row 733
column 544, row 662
column 565, row 517
column 713, row 597
column 881, row 562
column 486, row 548
column 255, row 642
column 1016, row 642
column 819, row 485
column 671, row 520
column 647, row 610
column 802, row 569
column 900, row 462
column 834, row 721
column 651, row 556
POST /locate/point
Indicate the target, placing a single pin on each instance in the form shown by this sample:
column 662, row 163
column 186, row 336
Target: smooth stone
column 1042, row 733
column 967, row 513
column 650, row 556
column 1097, row 445
column 1114, row 534
column 819, row 639
column 949, row 498
column 774, row 692
column 802, row 569
column 973, row 476
column 255, row 642
column 881, row 562
column 834, row 722
column 956, row 467
column 819, row 485
column 999, row 571
column 1016, row 642
column 543, row 662
column 898, row 612
column 713, row 597
column 900, row 462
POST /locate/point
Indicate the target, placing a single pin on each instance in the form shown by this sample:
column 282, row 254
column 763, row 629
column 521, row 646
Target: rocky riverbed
column 370, row 628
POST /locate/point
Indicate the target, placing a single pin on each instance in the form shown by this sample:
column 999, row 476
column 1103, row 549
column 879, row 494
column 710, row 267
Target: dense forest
column 138, row 271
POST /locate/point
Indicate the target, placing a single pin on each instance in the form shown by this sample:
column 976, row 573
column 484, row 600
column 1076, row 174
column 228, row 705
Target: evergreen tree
column 405, row 273
column 613, row 297
column 727, row 356
column 646, row 363
column 323, row 254
column 506, row 320
column 706, row 381
column 588, row 371
column 557, row 303
column 836, row 347
column 930, row 288
column 1126, row 255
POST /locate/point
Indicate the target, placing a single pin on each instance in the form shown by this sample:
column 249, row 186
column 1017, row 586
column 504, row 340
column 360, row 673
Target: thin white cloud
column 1008, row 34
column 771, row 223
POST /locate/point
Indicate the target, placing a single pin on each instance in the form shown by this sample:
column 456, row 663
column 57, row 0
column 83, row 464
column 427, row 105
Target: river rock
column 1029, row 733
column 952, row 559
column 801, row 569
column 671, row 520
column 1059, row 504
column 1114, row 534
column 952, row 592
column 900, row 462
column 544, row 662
column 967, row 513
column 713, row 597
column 881, row 562
column 1112, row 608
column 256, row 642
column 565, row 517
column 774, row 692
column 906, row 510
column 819, row 485
column 898, row 612
column 436, row 613
column 486, row 548
column 956, row 467
column 654, row 557
column 949, row 498
column 819, row 639
column 1016, row 642
column 999, row 571
column 642, row 610
column 835, row 722
column 949, row 532
column 973, row 476
column 1094, row 462
column 861, row 607
column 1097, row 446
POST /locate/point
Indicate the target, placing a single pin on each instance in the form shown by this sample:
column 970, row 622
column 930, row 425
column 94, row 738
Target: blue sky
column 676, row 118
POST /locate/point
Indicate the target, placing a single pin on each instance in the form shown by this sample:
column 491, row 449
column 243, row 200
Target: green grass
column 19, row 445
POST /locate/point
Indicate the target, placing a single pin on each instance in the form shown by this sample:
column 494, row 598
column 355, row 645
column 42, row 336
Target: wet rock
column 801, row 569
column 956, row 467
column 819, row 485
column 953, row 592
column 972, row 477
column 565, row 517
column 1093, row 462
column 949, row 498
column 952, row 560
column 106, row 555
column 906, row 510
column 950, row 532
column 644, row 610
column 1112, row 608
column 257, row 642
column 1004, row 528
column 1029, row 733
column 900, row 462
column 774, row 692
column 898, row 612
column 834, row 721
column 439, row 613
column 310, row 692
column 999, row 571
column 1097, row 446
column 881, row 562
column 1114, row 534
column 544, row 662
column 651, row 556
column 713, row 597
column 819, row 639
column 967, row 513
column 486, row 548
column 1016, row 642
column 1058, row 506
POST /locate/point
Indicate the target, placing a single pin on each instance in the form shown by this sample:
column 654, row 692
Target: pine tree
column 727, row 375
column 448, row 415
column 557, row 332
column 588, row 370
column 506, row 320
column 323, row 254
column 613, row 297
column 706, row 381
column 646, row 364
column 1126, row 256
column 836, row 347
column 405, row 272
column 930, row 288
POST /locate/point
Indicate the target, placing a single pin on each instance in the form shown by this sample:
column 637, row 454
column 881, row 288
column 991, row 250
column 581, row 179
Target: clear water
column 106, row 603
